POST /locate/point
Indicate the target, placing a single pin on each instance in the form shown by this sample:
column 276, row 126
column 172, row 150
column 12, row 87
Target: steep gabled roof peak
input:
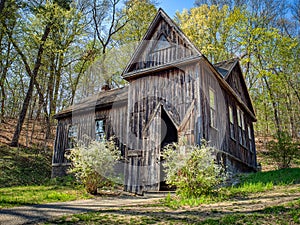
column 144, row 56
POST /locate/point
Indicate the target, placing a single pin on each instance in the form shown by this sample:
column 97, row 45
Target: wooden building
column 173, row 91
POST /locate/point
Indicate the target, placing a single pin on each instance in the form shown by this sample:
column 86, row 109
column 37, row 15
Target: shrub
column 192, row 169
column 283, row 149
column 94, row 164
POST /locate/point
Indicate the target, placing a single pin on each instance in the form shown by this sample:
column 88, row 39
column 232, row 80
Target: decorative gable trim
column 160, row 16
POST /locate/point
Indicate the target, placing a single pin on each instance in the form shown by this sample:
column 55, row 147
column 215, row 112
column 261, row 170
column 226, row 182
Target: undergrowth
column 24, row 166
column 249, row 184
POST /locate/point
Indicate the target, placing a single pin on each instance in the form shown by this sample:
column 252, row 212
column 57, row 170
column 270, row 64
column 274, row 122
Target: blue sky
column 171, row 6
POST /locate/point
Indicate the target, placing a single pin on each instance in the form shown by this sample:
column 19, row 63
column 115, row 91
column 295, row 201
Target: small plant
column 192, row 169
column 94, row 164
column 283, row 150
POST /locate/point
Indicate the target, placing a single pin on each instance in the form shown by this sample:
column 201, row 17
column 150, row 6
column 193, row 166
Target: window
column 162, row 43
column 72, row 136
column 242, row 128
column 212, row 103
column 231, row 123
column 240, row 119
column 99, row 130
column 250, row 138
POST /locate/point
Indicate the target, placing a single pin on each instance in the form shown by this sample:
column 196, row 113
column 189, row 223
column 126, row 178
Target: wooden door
column 151, row 151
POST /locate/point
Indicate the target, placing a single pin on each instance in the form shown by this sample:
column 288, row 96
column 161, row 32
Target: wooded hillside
column 56, row 52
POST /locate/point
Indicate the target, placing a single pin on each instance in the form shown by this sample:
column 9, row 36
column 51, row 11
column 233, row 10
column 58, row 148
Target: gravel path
column 38, row 213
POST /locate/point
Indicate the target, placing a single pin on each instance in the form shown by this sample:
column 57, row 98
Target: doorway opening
column 169, row 135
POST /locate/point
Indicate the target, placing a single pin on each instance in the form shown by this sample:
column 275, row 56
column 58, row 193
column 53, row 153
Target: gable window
column 231, row 122
column 99, row 130
column 250, row 139
column 72, row 136
column 212, row 104
column 161, row 43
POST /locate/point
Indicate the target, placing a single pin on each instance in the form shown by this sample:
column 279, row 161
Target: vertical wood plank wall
column 115, row 125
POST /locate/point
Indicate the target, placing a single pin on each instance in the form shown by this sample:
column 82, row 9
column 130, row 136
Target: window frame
column 102, row 133
column 213, row 108
column 72, row 136
column 240, row 126
column 231, row 122
column 250, row 138
column 161, row 43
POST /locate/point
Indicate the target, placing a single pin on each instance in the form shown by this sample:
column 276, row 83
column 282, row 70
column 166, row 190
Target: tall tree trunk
column 3, row 77
column 275, row 111
column 33, row 76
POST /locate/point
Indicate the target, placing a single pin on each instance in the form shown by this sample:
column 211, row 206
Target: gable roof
column 225, row 67
column 160, row 16
column 101, row 100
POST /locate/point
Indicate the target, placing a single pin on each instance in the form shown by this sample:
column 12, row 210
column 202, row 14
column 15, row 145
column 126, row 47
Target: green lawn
column 26, row 195
column 25, row 179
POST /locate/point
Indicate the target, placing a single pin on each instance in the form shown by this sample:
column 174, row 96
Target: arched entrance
column 169, row 135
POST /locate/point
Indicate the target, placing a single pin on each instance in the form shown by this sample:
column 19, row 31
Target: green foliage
column 212, row 29
column 94, row 164
column 283, row 150
column 138, row 14
column 192, row 169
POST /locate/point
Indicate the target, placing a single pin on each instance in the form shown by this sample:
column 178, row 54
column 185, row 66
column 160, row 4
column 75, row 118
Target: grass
column 27, row 195
column 25, row 179
column 249, row 184
column 24, row 166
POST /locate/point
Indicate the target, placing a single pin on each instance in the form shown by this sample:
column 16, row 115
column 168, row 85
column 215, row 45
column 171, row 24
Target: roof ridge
column 227, row 60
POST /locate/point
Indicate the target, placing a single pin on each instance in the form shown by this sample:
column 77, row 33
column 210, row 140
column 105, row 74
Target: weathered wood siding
column 175, row 91
column 235, row 81
column 238, row 157
column 245, row 156
column 150, row 57
column 115, row 125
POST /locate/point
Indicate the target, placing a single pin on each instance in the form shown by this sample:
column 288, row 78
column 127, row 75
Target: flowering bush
column 94, row 164
column 192, row 169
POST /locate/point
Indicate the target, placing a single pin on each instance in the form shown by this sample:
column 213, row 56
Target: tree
column 138, row 15
column 46, row 10
column 283, row 150
column 212, row 30
column 6, row 53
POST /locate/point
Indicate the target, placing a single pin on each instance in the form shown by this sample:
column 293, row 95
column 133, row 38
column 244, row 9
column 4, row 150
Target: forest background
column 56, row 52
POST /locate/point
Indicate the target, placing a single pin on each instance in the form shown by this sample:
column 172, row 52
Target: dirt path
column 131, row 207
column 37, row 213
